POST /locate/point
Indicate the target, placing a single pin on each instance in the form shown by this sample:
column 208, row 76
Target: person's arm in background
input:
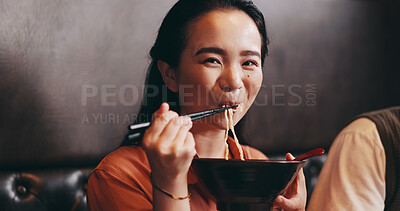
column 353, row 176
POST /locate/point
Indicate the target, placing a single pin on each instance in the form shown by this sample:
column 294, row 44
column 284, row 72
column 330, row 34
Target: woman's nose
column 230, row 78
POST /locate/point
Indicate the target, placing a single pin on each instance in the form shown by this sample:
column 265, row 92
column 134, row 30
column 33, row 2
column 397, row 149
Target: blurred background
column 329, row 61
column 72, row 74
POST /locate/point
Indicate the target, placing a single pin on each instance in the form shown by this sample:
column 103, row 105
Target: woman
column 208, row 54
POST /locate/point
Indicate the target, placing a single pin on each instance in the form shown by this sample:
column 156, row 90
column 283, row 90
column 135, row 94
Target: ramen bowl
column 246, row 182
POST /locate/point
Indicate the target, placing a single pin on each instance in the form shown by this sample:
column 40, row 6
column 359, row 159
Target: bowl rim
column 249, row 160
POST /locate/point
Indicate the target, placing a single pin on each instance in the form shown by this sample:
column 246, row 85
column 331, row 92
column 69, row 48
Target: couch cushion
column 44, row 189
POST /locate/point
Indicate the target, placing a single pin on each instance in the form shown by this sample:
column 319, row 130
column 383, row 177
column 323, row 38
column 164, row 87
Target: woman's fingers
column 172, row 128
column 190, row 144
column 163, row 108
column 168, row 133
column 186, row 124
column 289, row 156
column 288, row 204
column 296, row 194
column 159, row 124
column 174, row 139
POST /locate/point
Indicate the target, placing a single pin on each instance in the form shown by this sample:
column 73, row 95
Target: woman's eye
column 212, row 61
column 250, row 63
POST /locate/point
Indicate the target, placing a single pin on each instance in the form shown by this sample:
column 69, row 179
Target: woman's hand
column 295, row 197
column 170, row 148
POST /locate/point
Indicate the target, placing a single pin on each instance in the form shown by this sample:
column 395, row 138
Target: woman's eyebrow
column 250, row 53
column 211, row 50
column 223, row 53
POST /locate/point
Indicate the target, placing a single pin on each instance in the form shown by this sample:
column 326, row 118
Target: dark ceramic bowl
column 246, row 182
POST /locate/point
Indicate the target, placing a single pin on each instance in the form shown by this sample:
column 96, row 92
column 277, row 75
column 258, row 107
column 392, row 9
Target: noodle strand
column 229, row 125
column 226, row 136
column 234, row 134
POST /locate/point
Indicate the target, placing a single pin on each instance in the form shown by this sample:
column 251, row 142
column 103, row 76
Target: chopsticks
column 309, row 154
column 136, row 130
column 203, row 114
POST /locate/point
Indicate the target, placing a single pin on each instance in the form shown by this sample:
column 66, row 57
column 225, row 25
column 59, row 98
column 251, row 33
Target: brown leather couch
column 71, row 74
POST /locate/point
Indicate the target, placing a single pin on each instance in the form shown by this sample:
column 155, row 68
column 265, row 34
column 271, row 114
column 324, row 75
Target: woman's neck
column 210, row 141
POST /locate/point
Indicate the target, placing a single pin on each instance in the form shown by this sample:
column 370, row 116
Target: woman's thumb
column 163, row 108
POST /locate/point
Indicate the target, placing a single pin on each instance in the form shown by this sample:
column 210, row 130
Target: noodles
column 229, row 125
column 234, row 134
column 226, row 135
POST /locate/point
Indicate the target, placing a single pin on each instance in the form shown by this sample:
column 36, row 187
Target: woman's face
column 221, row 65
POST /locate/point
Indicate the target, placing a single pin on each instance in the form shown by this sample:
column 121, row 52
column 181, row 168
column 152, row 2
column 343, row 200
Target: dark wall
column 71, row 74
column 329, row 61
column 62, row 66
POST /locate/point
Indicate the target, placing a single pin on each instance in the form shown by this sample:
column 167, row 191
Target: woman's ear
column 169, row 75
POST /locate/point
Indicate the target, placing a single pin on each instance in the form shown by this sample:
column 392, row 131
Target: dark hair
column 171, row 41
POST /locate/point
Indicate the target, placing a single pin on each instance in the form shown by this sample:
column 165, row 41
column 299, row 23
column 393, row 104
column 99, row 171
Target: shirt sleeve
column 353, row 176
column 107, row 192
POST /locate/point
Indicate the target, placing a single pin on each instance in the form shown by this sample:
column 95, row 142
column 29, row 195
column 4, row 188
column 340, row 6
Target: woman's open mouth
column 229, row 103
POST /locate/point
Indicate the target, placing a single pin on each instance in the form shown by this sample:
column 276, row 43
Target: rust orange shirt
column 122, row 181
